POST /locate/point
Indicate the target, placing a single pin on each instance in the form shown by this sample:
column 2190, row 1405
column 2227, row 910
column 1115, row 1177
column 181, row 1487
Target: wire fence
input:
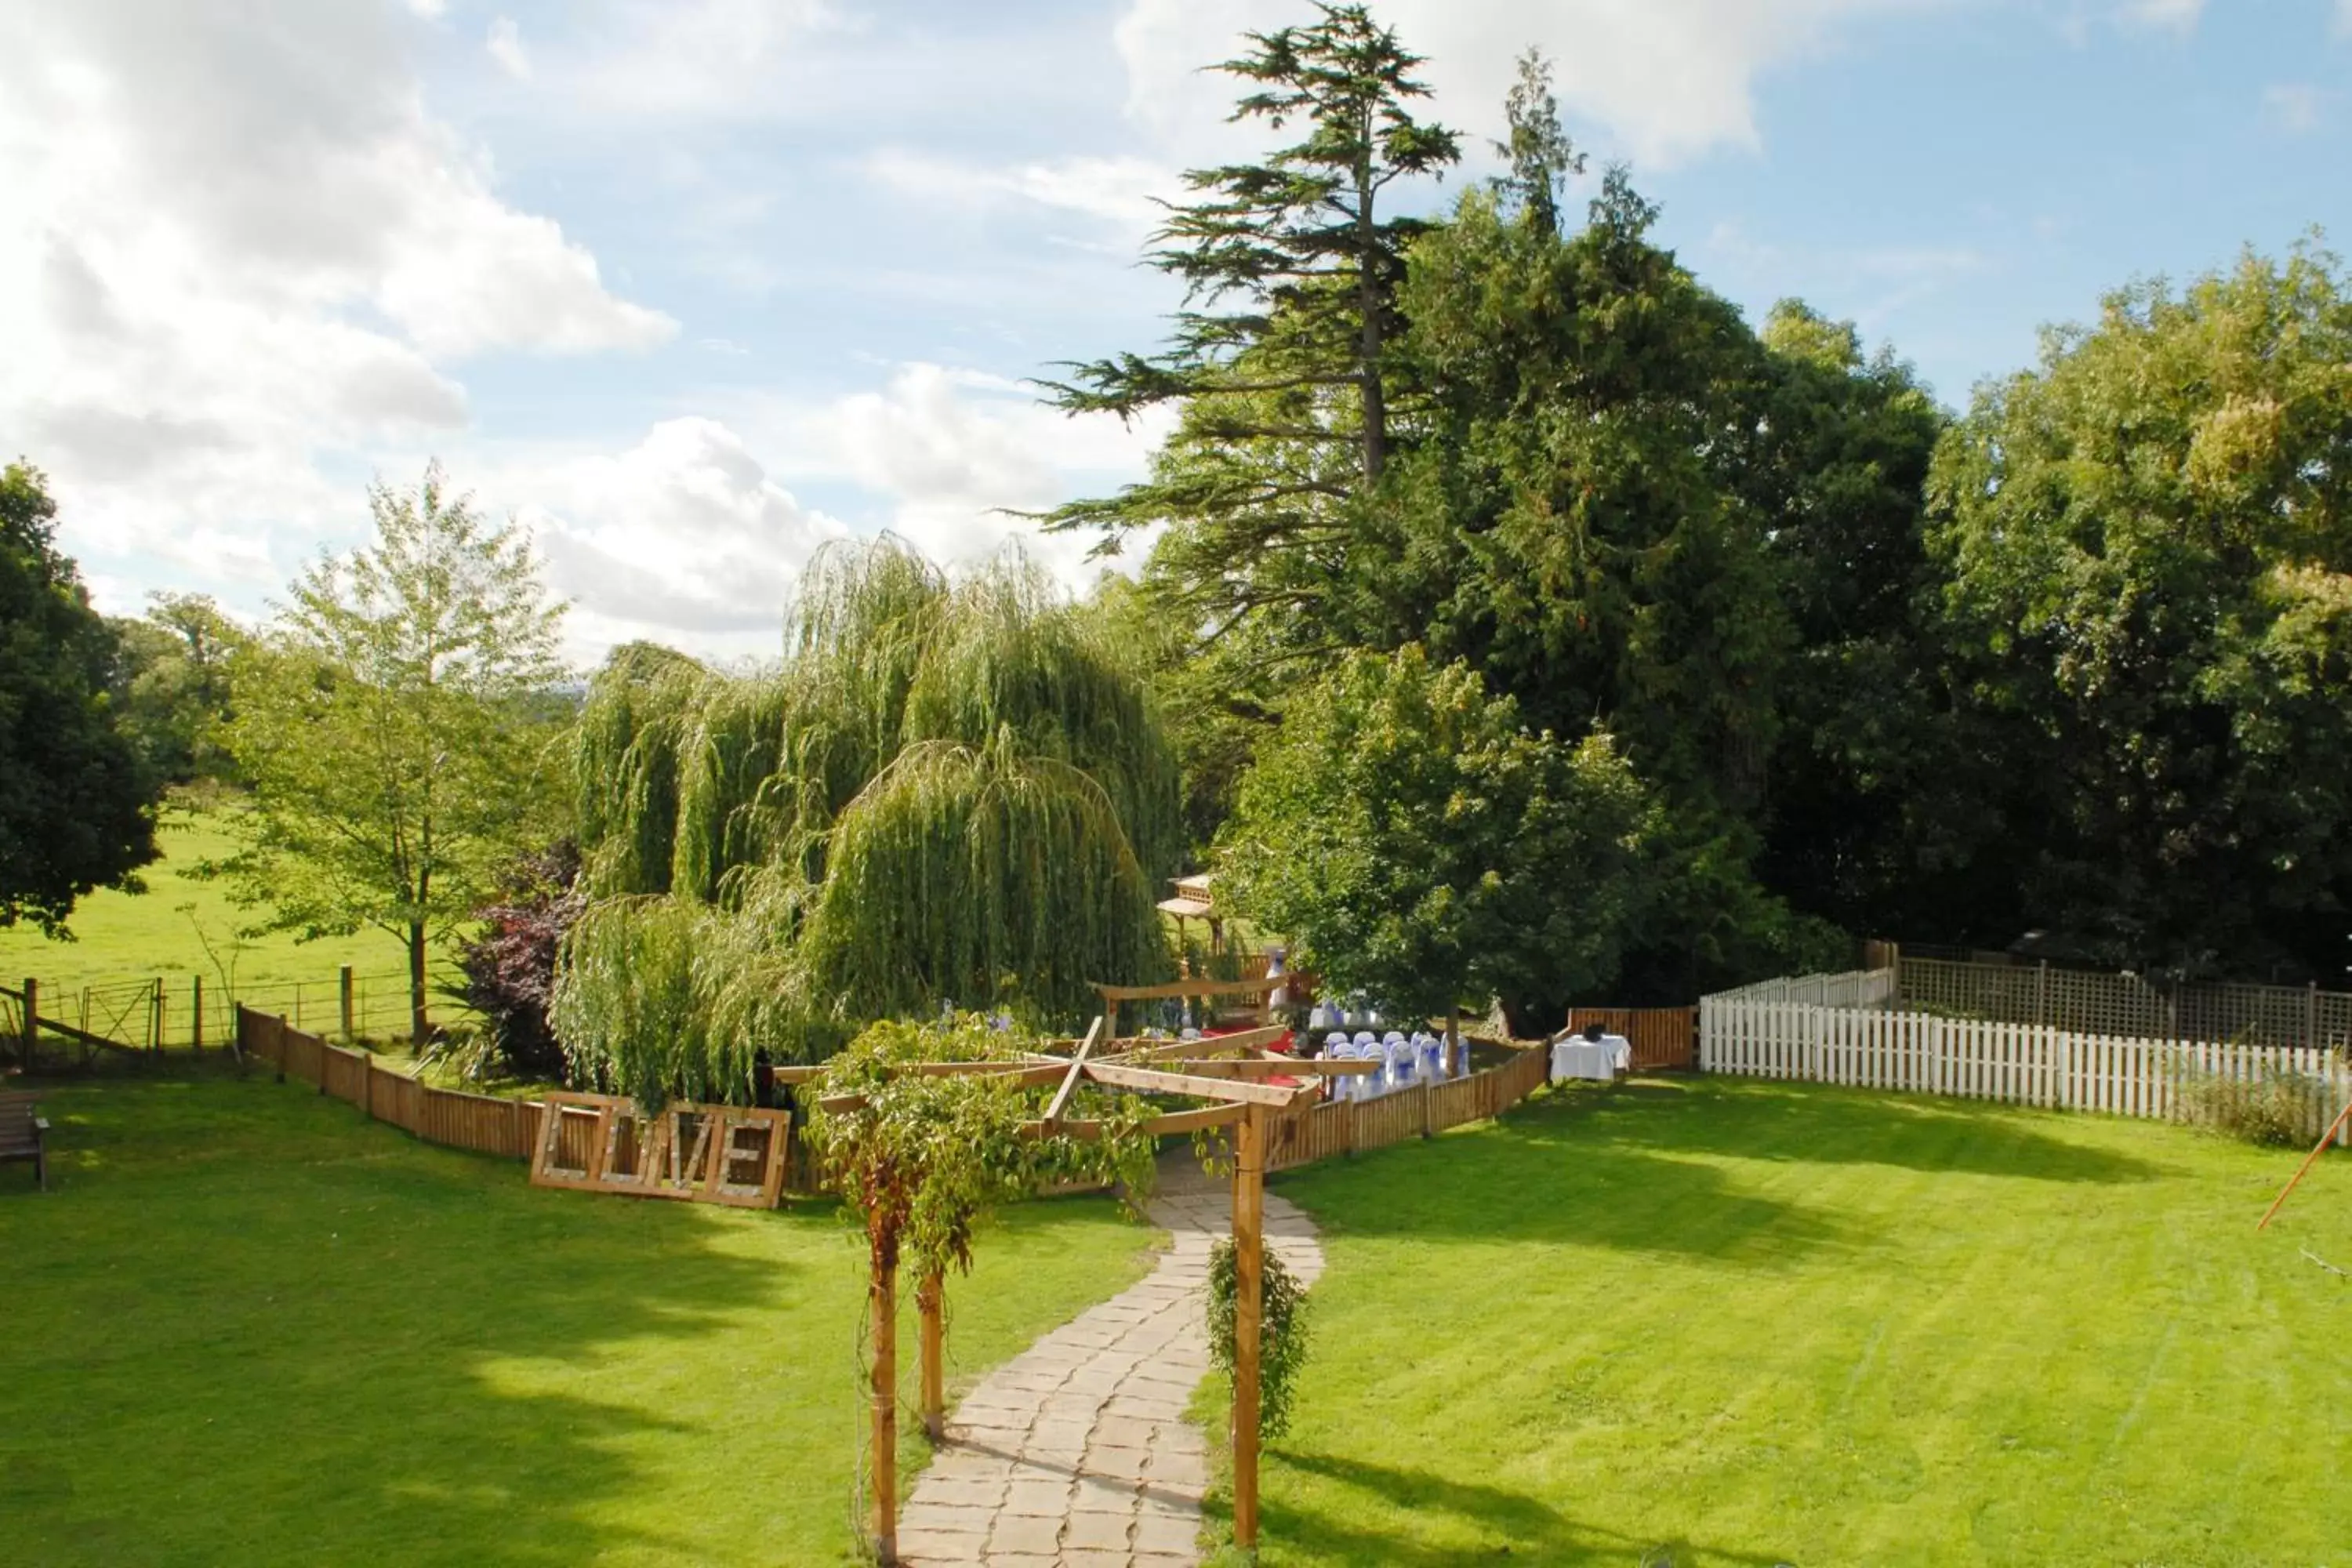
column 2092, row 1002
column 160, row 1012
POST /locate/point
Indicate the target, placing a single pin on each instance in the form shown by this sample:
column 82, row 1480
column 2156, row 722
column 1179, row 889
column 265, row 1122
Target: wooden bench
column 21, row 1133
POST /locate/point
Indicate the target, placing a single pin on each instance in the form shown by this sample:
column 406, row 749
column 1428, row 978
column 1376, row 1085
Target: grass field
column 249, row 1327
column 1761, row 1323
column 124, row 939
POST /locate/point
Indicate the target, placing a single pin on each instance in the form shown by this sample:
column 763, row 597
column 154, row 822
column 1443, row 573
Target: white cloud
column 685, row 537
column 2172, row 16
column 952, row 451
column 1120, row 191
column 699, row 57
column 2293, row 107
column 237, row 255
column 1669, row 79
column 431, row 10
column 505, row 45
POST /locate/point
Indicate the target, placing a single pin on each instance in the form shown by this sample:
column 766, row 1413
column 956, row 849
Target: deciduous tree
column 2149, row 543
column 1418, row 842
column 390, row 726
column 77, row 806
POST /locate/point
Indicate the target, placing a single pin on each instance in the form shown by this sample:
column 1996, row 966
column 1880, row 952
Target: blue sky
column 692, row 286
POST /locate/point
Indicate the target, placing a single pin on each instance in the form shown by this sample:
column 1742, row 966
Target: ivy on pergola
column 924, row 1127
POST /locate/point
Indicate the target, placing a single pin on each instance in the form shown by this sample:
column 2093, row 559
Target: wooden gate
column 1664, row 1038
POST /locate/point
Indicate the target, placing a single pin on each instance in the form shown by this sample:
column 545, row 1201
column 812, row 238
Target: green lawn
column 1763, row 1323
column 249, row 1327
column 122, row 939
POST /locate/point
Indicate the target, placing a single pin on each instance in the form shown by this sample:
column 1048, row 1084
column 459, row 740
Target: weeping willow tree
column 950, row 792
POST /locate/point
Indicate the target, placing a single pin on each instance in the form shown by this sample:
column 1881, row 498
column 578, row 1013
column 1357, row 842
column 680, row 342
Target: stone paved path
column 1076, row 1453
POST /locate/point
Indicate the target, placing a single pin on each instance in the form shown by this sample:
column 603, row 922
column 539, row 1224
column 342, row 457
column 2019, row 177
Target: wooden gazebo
column 1231, row 1072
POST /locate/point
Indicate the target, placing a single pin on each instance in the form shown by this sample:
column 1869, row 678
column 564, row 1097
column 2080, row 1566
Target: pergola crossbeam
column 1153, row 1081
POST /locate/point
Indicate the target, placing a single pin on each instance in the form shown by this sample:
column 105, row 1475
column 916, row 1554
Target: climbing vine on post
column 1282, row 1348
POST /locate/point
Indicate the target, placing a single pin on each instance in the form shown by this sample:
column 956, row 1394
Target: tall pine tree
column 1283, row 357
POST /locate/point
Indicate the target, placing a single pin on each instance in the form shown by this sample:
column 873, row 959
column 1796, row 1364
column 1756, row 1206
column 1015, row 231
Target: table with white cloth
column 1603, row 1059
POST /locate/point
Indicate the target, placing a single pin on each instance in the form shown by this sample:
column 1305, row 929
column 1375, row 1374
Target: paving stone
column 964, row 1491
column 1039, row 1499
column 1075, row 1453
column 1101, row 1494
column 1166, row 1533
column 923, row 1515
column 1026, row 1532
column 1053, row 1435
column 1175, row 1469
column 940, row 1546
column 1098, row 1532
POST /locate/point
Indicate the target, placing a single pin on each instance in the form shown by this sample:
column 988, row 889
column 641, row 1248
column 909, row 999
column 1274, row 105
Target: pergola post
column 883, row 1306
column 928, row 1301
column 1249, row 1278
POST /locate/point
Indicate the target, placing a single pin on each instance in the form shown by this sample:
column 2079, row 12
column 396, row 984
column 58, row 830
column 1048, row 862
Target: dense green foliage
column 925, row 1158
column 1289, row 386
column 427, row 1361
column 1282, row 1331
column 2148, row 550
column 2073, row 664
column 77, row 803
column 386, row 725
column 950, row 792
column 1740, row 1323
column 1418, row 844
column 173, row 685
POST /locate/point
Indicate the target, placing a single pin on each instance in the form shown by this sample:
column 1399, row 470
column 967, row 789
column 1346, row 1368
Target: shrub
column 509, row 966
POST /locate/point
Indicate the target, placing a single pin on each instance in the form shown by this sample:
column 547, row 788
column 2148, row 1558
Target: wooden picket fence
column 1346, row 1126
column 511, row 1128
column 2021, row 1064
column 477, row 1121
column 1665, row 1040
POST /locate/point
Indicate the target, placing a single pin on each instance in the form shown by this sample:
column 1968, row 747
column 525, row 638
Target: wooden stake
column 1249, row 1278
column 196, row 1012
column 32, row 1019
column 2308, row 1161
column 346, row 982
column 930, row 1298
column 882, row 1302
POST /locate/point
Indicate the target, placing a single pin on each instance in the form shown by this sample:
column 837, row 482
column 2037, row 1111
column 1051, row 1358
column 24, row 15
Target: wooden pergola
column 1231, row 1072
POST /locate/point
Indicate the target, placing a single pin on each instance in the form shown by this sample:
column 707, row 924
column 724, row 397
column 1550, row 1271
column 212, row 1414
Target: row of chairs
column 1404, row 1062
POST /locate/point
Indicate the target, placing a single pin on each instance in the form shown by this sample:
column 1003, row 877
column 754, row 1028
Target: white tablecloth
column 1604, row 1059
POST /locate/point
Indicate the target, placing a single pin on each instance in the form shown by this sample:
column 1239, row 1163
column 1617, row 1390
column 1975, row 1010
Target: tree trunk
column 419, row 1026
column 1367, row 301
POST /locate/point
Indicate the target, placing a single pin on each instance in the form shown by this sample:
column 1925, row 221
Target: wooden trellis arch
column 1230, row 1073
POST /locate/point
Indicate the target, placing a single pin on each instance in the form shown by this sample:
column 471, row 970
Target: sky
column 690, row 288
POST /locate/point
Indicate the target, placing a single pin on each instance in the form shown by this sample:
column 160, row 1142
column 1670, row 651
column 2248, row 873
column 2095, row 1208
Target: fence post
column 32, row 1018
column 197, row 1013
column 2311, row 1016
column 349, row 1034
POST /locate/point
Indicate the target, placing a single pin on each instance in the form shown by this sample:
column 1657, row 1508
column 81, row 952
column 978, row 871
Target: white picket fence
column 2023, row 1064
